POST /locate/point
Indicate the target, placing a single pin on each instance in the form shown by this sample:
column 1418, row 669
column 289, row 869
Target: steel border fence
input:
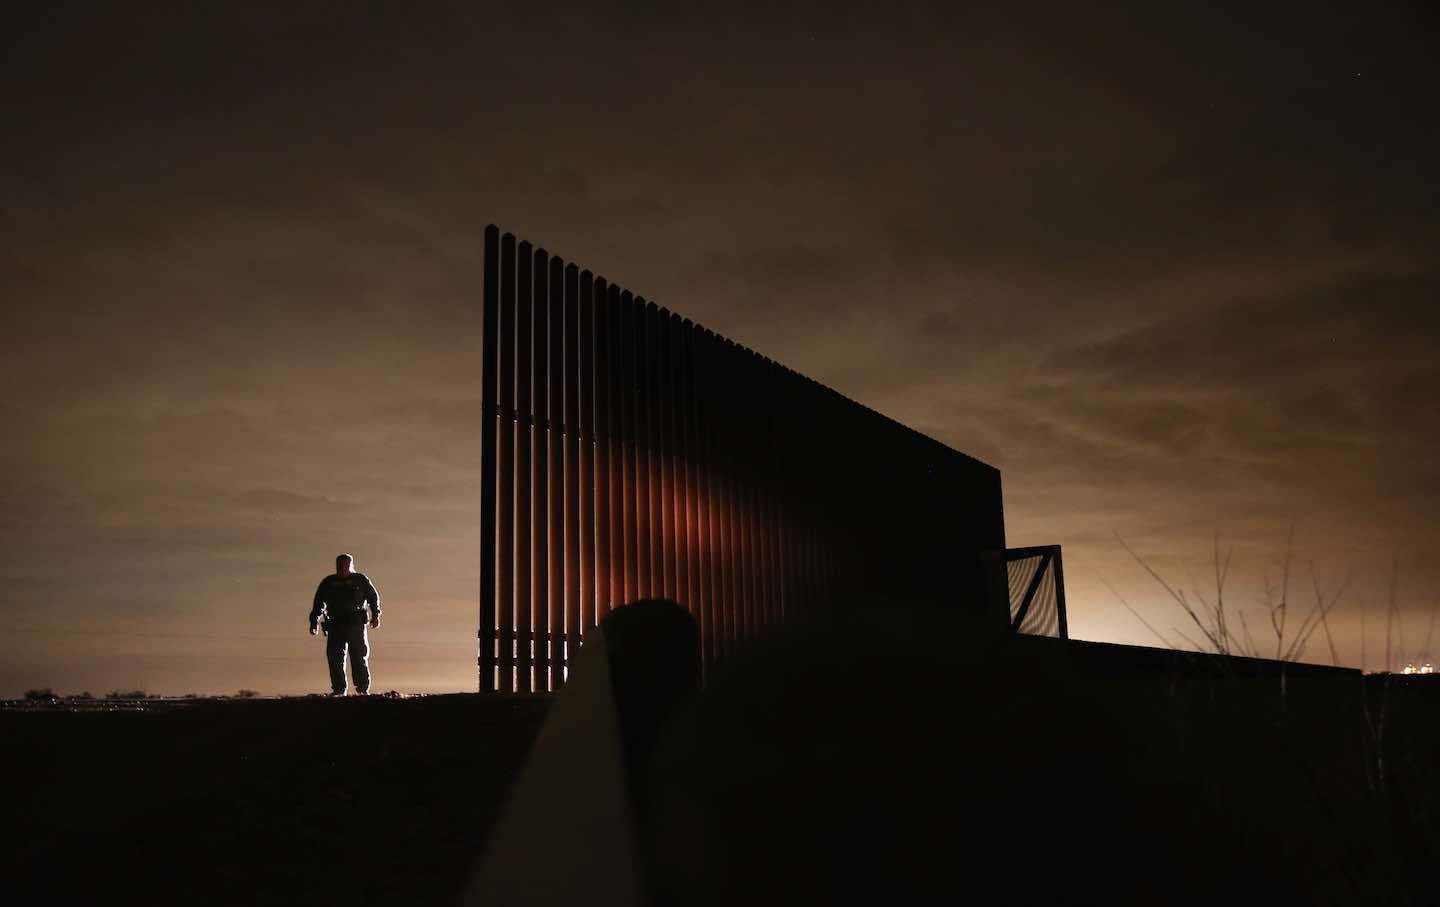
column 629, row 453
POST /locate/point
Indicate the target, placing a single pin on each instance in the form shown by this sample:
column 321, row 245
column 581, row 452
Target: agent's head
column 344, row 564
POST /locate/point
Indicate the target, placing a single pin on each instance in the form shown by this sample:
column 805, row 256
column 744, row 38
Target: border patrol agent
column 339, row 610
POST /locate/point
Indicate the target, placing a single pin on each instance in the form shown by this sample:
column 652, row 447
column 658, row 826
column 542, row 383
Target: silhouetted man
column 340, row 601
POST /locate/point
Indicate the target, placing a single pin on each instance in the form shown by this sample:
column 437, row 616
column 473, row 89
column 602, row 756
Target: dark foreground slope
column 305, row 800
column 845, row 764
column 818, row 768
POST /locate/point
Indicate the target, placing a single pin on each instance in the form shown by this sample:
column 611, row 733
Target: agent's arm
column 373, row 596
column 318, row 608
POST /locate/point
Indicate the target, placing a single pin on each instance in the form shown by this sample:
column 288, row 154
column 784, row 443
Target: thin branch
column 1362, row 641
column 1206, row 609
column 1277, row 615
column 1233, row 641
column 1193, row 643
column 1142, row 620
column 1254, row 650
column 1312, row 620
column 1324, row 613
column 1178, row 596
column 1220, row 573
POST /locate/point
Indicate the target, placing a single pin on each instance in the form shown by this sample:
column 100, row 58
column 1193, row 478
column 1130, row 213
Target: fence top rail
column 763, row 360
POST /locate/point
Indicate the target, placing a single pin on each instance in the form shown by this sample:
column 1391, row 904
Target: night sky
column 1172, row 271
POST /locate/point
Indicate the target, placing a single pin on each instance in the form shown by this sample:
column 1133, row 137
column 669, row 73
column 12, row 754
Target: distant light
column 1412, row 668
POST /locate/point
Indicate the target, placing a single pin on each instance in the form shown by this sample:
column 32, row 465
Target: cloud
column 1170, row 276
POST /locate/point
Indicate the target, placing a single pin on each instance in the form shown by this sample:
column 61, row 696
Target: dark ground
column 1036, row 771
column 282, row 801
column 1090, row 773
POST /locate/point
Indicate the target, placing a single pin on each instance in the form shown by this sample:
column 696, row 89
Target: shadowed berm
column 916, row 757
column 840, row 761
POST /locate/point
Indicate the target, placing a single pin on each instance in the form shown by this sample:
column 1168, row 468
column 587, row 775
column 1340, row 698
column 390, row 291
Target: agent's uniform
column 341, row 601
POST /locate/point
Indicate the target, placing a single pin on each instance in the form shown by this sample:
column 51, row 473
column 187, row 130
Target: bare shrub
column 1212, row 619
